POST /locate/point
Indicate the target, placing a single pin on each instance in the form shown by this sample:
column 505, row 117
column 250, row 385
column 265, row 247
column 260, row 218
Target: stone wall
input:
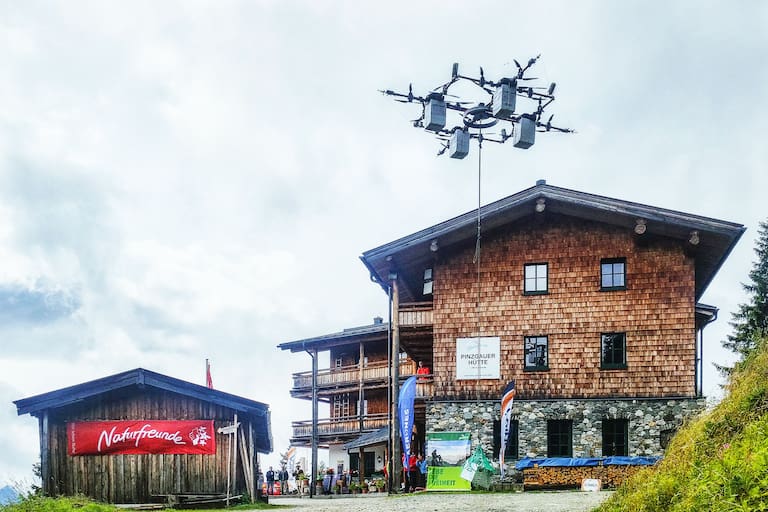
column 651, row 421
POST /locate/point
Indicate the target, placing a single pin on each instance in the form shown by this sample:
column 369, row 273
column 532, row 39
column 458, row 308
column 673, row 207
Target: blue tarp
column 582, row 462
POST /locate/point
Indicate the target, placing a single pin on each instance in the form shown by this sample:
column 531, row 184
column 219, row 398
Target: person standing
column 283, row 474
column 299, row 475
column 423, row 372
column 412, row 473
column 270, row 481
column 421, row 463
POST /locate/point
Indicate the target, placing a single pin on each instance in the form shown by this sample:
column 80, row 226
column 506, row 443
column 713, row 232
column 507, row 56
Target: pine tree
column 750, row 322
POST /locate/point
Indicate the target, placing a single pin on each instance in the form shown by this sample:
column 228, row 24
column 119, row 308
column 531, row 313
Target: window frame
column 613, row 287
column 613, row 365
column 535, row 279
column 512, row 451
column 537, row 367
column 556, row 447
column 613, row 428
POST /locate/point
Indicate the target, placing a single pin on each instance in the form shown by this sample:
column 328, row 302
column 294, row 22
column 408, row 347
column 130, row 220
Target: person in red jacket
column 422, row 371
column 413, row 473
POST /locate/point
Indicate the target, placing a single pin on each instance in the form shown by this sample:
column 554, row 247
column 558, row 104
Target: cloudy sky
column 190, row 180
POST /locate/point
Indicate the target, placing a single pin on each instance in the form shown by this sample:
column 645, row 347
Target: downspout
column 388, row 455
column 699, row 366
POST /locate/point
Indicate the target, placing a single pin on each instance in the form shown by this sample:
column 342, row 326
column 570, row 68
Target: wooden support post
column 313, row 476
column 45, row 457
column 394, row 460
column 361, row 465
column 360, row 387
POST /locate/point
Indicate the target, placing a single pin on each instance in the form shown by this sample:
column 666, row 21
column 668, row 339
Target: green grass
column 83, row 504
column 43, row 504
column 718, row 462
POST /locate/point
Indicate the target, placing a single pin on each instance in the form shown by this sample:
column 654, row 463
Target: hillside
column 717, row 462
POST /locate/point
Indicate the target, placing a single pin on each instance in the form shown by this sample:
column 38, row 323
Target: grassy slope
column 717, row 462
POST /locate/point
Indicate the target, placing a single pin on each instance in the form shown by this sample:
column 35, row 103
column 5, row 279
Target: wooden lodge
column 591, row 304
column 234, row 431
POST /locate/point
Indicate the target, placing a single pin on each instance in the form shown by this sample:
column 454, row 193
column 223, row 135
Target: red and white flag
column 208, row 379
column 506, row 421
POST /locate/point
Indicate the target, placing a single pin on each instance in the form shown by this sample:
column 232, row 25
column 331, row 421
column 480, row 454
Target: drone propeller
column 548, row 126
column 521, row 70
column 410, row 92
column 482, row 77
column 551, row 90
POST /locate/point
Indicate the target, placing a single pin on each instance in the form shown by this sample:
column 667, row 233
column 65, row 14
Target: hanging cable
column 477, row 247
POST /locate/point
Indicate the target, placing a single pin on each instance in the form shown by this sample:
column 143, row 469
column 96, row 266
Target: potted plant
column 371, row 485
column 353, row 488
column 380, row 484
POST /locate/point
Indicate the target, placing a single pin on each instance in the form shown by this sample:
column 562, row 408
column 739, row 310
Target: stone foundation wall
column 651, row 422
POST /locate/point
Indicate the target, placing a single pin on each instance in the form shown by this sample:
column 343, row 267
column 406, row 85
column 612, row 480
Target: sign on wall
column 478, row 358
column 141, row 437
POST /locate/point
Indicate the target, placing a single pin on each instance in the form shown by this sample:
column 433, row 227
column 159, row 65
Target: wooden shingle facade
column 144, row 478
column 589, row 303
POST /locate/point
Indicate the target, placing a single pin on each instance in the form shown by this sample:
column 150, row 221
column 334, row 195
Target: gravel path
column 551, row 501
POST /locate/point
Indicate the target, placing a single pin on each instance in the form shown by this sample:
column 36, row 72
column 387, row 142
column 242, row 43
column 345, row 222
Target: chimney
column 377, row 320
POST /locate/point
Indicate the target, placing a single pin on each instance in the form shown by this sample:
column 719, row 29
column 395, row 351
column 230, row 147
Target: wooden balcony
column 415, row 314
column 374, row 375
column 348, row 376
column 341, row 427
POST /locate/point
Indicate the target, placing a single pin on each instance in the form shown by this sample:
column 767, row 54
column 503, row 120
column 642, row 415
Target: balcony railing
column 340, row 426
column 415, row 314
column 349, row 374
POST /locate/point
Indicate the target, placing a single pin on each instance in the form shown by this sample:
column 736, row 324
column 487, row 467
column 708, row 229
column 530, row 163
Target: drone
column 477, row 116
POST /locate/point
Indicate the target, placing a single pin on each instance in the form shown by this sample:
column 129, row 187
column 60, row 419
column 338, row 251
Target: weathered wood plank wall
column 137, row 478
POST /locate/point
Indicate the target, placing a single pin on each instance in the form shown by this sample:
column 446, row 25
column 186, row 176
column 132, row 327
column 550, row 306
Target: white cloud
column 200, row 179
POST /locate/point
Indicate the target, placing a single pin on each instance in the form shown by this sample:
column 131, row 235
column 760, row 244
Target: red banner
column 140, row 437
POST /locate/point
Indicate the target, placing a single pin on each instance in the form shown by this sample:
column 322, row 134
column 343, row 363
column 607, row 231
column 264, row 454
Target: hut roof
column 141, row 378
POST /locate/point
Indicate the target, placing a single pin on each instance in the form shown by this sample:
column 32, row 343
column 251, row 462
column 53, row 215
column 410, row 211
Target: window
column 615, row 438
column 512, row 450
column 613, row 274
column 536, row 353
column 427, row 282
column 535, row 279
column 613, row 351
column 369, row 463
column 559, row 438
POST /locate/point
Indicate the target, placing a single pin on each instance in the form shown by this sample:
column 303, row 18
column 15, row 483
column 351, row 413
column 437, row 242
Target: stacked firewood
column 554, row 477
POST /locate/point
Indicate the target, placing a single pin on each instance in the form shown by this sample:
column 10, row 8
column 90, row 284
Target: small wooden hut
column 142, row 437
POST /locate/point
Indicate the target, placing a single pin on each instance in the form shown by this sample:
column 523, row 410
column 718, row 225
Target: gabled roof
column 375, row 331
column 716, row 237
column 141, row 378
